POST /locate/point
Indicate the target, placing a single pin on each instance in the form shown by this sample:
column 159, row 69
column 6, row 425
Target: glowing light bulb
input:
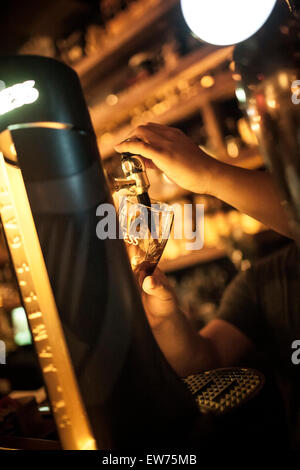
column 207, row 81
column 241, row 95
column 225, row 22
column 112, row 100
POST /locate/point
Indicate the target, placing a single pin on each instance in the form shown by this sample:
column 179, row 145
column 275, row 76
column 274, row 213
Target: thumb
column 152, row 285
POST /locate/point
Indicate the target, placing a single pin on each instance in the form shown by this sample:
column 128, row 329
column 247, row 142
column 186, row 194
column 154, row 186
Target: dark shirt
column 264, row 303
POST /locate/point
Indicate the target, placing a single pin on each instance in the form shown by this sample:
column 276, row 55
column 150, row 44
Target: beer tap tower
column 108, row 383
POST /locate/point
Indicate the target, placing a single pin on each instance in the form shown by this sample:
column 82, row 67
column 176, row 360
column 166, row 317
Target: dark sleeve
column 240, row 306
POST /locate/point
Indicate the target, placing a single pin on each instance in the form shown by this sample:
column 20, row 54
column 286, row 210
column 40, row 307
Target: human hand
column 159, row 299
column 171, row 151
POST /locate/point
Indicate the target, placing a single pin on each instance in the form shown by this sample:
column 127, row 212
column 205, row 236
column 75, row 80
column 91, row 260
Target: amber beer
column 145, row 246
column 136, row 253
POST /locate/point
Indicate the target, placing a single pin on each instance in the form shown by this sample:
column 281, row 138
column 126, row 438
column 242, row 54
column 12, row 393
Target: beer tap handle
column 134, row 169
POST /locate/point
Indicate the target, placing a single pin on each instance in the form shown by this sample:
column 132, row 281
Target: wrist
column 215, row 173
column 209, row 172
column 160, row 324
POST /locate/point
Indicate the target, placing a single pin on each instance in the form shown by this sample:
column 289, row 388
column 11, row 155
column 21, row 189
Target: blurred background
column 138, row 62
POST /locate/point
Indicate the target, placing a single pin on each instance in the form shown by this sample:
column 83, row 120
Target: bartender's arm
column 170, row 150
column 219, row 344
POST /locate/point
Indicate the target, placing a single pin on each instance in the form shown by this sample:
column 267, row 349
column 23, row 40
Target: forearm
column 251, row 192
column 185, row 350
column 171, row 151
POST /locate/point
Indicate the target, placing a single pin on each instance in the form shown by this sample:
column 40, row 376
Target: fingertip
column 149, row 283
